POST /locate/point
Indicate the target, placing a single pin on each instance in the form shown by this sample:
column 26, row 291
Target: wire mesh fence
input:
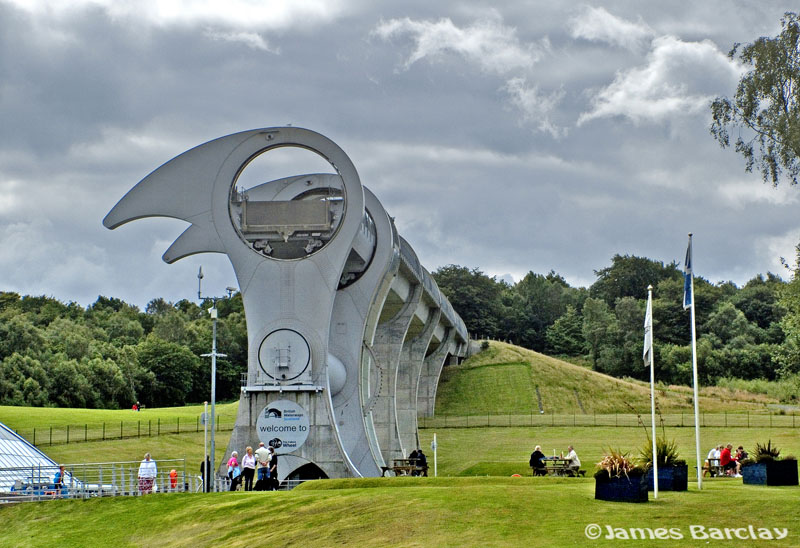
column 75, row 433
column 722, row 420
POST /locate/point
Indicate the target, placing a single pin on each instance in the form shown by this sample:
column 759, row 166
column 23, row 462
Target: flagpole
column 690, row 273
column 649, row 320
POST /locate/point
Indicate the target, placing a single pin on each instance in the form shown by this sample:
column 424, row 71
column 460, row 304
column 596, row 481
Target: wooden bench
column 405, row 467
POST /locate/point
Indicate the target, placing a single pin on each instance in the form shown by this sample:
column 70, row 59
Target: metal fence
column 106, row 479
column 722, row 420
column 103, row 479
column 74, row 433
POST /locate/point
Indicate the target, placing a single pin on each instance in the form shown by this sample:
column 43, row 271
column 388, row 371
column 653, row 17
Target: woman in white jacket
column 147, row 475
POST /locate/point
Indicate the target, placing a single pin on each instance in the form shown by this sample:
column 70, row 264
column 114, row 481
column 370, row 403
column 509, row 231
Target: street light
column 214, row 355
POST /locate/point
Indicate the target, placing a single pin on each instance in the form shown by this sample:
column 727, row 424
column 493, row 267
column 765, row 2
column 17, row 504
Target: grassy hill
column 503, row 380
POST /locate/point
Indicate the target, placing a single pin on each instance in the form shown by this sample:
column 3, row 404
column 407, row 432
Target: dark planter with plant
column 673, row 472
column 673, row 477
column 767, row 468
column 618, row 480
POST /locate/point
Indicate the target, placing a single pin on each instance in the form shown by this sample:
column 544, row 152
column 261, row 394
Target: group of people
column 264, row 460
column 722, row 460
column 538, row 461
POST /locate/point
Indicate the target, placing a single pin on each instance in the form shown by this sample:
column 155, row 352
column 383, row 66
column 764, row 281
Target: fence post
column 178, row 426
column 85, row 432
column 104, row 430
column 138, row 429
column 158, row 433
column 34, row 436
column 51, row 435
column 120, row 429
column 67, row 433
column 149, row 430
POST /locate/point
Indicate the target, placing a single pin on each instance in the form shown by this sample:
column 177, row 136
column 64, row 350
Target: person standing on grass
column 147, row 475
column 262, row 456
column 206, row 466
column 574, row 462
column 248, row 468
column 273, row 468
column 234, row 472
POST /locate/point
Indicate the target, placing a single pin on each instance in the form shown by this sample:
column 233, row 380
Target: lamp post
column 214, row 355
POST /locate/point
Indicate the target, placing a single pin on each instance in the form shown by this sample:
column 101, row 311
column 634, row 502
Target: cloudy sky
column 510, row 136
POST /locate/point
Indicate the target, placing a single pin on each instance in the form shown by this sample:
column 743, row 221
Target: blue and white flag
column 648, row 330
column 687, row 277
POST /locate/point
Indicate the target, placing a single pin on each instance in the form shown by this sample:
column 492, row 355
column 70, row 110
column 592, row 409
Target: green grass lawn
column 49, row 427
column 473, row 502
column 26, row 418
column 505, row 451
column 400, row 512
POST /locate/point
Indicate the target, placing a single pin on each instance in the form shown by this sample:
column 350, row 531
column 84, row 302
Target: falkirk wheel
column 347, row 332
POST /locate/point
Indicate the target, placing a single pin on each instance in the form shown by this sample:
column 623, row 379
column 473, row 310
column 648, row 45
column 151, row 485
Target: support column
column 388, row 345
column 408, row 377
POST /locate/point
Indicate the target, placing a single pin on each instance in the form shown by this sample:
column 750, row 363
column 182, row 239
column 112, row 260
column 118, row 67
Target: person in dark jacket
column 536, row 461
column 422, row 462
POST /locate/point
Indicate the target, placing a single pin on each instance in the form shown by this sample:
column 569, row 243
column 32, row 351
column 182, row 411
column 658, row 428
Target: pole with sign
column 434, row 446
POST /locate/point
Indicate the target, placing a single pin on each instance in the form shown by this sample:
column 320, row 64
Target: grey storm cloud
column 513, row 137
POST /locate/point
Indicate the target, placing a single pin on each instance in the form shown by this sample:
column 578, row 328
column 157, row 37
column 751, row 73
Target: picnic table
column 559, row 466
column 405, row 467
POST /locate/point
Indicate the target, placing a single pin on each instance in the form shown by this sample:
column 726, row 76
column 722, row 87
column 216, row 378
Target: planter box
column 779, row 472
column 670, row 478
column 625, row 489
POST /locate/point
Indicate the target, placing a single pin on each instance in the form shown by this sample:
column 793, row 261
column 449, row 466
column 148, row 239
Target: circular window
column 284, row 355
column 282, row 208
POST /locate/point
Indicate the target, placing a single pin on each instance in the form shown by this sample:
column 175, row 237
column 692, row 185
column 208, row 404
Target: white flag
column 648, row 330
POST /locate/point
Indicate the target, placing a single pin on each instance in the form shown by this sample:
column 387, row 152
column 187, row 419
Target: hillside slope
column 503, row 380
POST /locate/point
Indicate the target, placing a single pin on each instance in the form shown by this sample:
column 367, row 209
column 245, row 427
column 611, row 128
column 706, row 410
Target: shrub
column 766, row 453
column 666, row 452
column 616, row 464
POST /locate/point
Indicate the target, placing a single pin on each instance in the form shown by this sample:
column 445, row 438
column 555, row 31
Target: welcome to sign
column 283, row 425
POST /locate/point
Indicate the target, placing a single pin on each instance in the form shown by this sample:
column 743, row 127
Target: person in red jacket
column 730, row 466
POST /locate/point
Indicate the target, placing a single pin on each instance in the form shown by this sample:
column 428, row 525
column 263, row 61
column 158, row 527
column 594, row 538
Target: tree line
column 111, row 354
column 748, row 332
